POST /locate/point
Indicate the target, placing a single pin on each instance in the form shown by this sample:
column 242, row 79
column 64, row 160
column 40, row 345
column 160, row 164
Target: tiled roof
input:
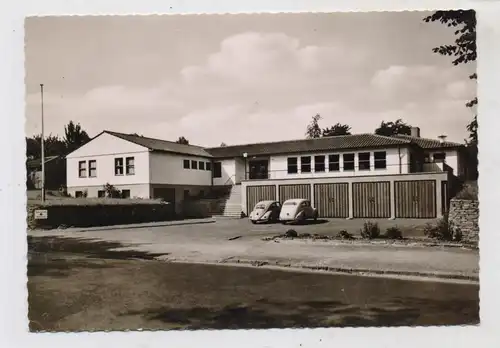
column 162, row 145
column 426, row 143
column 342, row 142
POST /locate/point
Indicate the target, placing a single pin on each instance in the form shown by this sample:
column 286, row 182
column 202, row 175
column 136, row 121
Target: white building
column 153, row 168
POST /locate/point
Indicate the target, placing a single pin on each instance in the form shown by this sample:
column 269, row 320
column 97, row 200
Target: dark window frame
column 101, row 194
column 90, row 168
column 291, row 167
column 364, row 164
column 82, row 169
column 305, row 167
column 334, row 166
column 125, row 193
column 352, row 163
column 319, row 166
column 217, row 170
column 130, row 168
column 119, row 168
column 78, row 194
column 186, row 164
column 201, row 165
column 380, row 163
column 194, row 164
column 208, row 166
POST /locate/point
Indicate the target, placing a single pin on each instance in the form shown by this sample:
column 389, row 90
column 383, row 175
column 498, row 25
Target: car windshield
column 290, row 203
column 260, row 206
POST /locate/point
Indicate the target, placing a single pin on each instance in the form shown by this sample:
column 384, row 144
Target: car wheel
column 253, row 222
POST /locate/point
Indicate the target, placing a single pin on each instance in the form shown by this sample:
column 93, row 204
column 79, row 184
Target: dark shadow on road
column 89, row 248
column 267, row 314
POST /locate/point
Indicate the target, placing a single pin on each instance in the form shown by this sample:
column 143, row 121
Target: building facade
column 339, row 174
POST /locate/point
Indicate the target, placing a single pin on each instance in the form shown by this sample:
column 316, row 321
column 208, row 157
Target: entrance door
column 258, row 169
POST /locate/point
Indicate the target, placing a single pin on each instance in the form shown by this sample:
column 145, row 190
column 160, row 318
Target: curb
column 356, row 271
column 124, row 227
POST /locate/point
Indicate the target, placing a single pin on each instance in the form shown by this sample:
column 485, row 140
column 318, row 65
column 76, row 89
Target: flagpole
column 43, row 148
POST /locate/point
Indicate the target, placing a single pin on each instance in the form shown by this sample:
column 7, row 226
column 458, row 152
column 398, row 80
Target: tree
column 338, row 129
column 183, row 141
column 313, row 129
column 464, row 50
column 54, row 146
column 223, row 144
column 392, row 128
column 74, row 137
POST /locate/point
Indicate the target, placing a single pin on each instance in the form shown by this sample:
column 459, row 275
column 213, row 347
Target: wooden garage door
column 255, row 194
column 332, row 200
column 415, row 199
column 371, row 199
column 294, row 191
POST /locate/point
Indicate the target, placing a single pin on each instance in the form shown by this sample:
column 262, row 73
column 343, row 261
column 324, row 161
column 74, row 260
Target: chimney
column 442, row 138
column 415, row 132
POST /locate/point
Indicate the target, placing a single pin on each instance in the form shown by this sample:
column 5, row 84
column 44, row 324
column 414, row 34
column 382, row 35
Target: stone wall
column 464, row 217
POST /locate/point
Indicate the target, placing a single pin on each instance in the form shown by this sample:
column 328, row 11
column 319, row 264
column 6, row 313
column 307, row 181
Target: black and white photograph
column 252, row 171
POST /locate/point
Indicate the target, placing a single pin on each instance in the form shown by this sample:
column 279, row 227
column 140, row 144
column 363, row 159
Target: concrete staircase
column 231, row 206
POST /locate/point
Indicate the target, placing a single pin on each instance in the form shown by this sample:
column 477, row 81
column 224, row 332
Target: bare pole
column 43, row 148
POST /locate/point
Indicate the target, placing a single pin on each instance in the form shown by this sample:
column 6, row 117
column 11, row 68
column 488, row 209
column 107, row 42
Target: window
column 82, row 169
column 319, row 163
column 439, row 157
column 130, row 165
column 217, row 170
column 118, row 166
column 364, row 161
column 78, row 194
column 92, row 168
column 101, row 193
column 186, row 164
column 201, row 165
column 380, row 160
column 125, row 193
column 292, row 165
column 334, row 163
column 348, row 161
column 208, row 166
column 194, row 164
column 305, row 164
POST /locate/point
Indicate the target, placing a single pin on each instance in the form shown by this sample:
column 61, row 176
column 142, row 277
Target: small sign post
column 41, row 214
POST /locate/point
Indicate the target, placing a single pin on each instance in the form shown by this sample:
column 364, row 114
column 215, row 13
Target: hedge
column 98, row 212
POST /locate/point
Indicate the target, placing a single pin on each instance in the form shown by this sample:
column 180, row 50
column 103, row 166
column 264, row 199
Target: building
column 354, row 176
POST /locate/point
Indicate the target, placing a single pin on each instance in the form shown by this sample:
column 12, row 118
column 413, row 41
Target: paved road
column 200, row 241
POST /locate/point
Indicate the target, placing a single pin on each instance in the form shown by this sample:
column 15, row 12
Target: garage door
column 165, row 193
column 415, row 199
column 255, row 194
column 371, row 199
column 294, row 191
column 332, row 200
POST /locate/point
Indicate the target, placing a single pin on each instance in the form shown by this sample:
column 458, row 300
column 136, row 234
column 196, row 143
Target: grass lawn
column 114, row 291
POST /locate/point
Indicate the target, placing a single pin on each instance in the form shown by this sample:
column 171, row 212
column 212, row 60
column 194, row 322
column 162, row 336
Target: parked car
column 265, row 211
column 297, row 210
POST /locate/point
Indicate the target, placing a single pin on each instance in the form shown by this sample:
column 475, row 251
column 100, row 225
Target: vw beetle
column 265, row 211
column 297, row 210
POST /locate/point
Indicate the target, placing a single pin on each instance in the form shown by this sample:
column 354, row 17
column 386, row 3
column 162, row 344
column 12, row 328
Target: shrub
column 393, row 233
column 111, row 191
column 370, row 230
column 440, row 230
column 344, row 235
column 85, row 193
column 291, row 234
column 305, row 235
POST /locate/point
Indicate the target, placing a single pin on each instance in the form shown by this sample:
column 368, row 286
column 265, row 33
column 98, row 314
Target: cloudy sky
column 243, row 78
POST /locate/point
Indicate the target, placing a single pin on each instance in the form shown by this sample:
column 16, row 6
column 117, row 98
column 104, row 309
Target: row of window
column 333, row 164
column 200, row 165
column 120, row 168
